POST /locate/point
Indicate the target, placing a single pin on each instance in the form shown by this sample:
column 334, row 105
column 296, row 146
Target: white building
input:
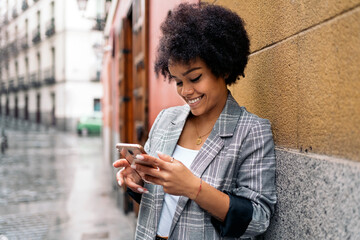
column 50, row 60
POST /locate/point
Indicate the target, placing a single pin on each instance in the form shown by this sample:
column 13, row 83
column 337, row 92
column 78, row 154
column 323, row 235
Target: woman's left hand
column 174, row 176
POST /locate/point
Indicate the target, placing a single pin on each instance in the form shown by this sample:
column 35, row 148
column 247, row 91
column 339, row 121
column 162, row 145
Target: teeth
column 194, row 100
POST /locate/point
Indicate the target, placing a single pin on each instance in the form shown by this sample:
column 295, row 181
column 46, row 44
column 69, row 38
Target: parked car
column 91, row 124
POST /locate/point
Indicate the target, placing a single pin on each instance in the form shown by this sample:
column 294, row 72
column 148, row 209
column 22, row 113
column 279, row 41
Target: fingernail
column 140, row 190
column 114, row 164
column 146, row 191
column 120, row 183
column 158, row 169
column 140, row 157
column 159, row 153
column 133, row 166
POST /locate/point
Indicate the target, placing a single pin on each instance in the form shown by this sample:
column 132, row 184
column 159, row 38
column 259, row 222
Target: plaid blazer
column 238, row 157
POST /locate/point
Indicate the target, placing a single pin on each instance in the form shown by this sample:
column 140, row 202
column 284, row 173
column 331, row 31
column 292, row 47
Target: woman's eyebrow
column 190, row 70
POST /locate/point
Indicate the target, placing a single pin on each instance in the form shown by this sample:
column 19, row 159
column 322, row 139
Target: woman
column 214, row 163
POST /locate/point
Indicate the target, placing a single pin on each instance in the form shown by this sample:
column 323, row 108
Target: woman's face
column 198, row 86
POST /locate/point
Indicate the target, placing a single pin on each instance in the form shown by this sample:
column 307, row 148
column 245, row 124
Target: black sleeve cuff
column 237, row 219
column 134, row 195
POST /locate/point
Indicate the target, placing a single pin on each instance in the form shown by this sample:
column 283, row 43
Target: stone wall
column 304, row 76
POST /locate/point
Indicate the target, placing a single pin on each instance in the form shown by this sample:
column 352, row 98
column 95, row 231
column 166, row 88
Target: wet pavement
column 56, row 185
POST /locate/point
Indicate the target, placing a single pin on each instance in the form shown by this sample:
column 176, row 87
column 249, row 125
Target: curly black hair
column 212, row 33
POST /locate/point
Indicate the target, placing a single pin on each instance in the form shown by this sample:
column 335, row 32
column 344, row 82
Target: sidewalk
column 55, row 185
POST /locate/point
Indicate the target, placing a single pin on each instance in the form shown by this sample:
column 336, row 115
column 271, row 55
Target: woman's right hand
column 128, row 176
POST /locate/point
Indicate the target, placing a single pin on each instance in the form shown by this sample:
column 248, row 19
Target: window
column 97, row 105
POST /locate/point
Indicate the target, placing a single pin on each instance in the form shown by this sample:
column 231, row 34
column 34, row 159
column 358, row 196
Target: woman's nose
column 187, row 89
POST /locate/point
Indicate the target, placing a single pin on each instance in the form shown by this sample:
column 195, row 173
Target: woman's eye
column 178, row 83
column 196, row 79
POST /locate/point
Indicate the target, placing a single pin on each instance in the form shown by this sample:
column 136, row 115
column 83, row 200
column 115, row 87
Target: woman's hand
column 174, row 176
column 177, row 179
column 128, row 176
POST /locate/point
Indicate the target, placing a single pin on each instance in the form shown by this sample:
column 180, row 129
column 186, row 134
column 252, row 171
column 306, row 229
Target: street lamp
column 82, row 4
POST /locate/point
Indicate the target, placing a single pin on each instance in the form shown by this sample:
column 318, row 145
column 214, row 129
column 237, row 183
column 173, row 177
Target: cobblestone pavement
column 56, row 185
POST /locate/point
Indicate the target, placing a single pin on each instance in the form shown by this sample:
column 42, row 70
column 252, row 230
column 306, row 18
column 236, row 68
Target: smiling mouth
column 192, row 101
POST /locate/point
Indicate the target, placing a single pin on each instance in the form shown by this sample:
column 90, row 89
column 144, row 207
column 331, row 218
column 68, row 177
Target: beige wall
column 304, row 72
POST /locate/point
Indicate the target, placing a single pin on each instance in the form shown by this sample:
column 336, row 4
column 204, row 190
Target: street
column 56, row 185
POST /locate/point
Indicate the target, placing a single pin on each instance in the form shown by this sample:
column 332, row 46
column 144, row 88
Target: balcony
column 14, row 13
column 50, row 28
column 24, row 5
column 5, row 19
column 24, row 42
column 14, row 48
column 99, row 25
column 3, row 88
column 12, row 86
column 49, row 75
column 35, row 80
column 36, row 35
column 4, row 53
column 23, row 85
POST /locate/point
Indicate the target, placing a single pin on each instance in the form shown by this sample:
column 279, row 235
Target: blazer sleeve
column 147, row 148
column 256, row 176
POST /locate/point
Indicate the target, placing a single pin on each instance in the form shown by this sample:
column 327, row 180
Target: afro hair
column 212, row 33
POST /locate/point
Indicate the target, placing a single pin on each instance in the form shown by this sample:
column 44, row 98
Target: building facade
column 50, row 53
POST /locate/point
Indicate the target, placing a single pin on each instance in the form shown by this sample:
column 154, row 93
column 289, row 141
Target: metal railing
column 49, row 75
column 3, row 88
column 23, row 83
column 35, row 80
column 100, row 24
column 50, row 27
column 13, row 86
column 24, row 5
column 14, row 13
column 24, row 43
column 5, row 18
column 14, row 47
column 36, row 35
column 4, row 53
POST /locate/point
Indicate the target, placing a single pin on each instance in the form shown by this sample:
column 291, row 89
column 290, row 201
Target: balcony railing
column 36, row 35
column 13, row 86
column 35, row 80
column 23, row 84
column 14, row 47
column 4, row 53
column 24, row 5
column 14, row 13
column 24, row 42
column 50, row 28
column 3, row 88
column 6, row 19
column 49, row 75
column 100, row 24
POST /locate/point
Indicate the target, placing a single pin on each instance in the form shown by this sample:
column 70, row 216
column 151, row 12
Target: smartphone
column 131, row 151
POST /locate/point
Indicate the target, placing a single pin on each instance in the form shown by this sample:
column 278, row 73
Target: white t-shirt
column 186, row 156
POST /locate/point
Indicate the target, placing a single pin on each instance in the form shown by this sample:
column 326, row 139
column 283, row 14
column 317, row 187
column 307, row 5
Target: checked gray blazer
column 237, row 157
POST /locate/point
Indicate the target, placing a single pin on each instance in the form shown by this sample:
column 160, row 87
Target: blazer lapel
column 224, row 127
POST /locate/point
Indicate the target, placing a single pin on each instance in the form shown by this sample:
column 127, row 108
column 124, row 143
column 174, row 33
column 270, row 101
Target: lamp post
column 82, row 4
